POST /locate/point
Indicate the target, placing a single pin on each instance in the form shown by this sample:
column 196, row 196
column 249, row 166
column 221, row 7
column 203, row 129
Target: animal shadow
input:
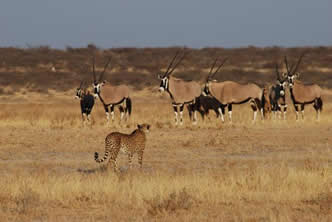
column 103, row 169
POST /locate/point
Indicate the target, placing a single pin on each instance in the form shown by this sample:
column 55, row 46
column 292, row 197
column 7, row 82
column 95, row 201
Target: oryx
column 203, row 104
column 229, row 93
column 277, row 95
column 181, row 92
column 267, row 108
column 111, row 95
column 86, row 101
column 302, row 94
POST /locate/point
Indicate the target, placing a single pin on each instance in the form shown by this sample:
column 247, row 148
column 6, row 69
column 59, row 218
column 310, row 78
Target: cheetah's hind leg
column 113, row 164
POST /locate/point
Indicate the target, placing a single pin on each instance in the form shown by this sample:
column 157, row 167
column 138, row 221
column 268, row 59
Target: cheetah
column 126, row 143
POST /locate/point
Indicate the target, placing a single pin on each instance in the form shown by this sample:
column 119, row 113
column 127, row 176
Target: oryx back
column 111, row 94
column 305, row 93
column 229, row 92
column 183, row 91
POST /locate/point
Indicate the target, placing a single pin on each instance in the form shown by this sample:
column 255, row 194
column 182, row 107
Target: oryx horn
column 277, row 72
column 286, row 63
column 171, row 63
column 180, row 60
column 212, row 67
column 298, row 63
column 105, row 67
column 93, row 69
column 221, row 65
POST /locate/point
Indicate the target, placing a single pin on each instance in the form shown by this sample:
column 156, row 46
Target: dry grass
column 268, row 171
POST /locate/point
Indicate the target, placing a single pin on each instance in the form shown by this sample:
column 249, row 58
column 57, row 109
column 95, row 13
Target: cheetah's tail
column 101, row 160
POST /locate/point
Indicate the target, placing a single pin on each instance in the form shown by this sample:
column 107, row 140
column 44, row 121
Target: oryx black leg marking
column 285, row 111
column 193, row 107
column 254, row 108
column 229, row 107
column 181, row 113
column 279, row 111
column 260, row 107
column 122, row 112
column 124, row 106
column 83, row 113
column 196, row 108
column 302, row 111
column 216, row 110
column 121, row 109
column 82, row 110
column 107, row 112
column 274, row 108
column 190, row 108
column 202, row 111
column 221, row 111
column 88, row 111
column 176, row 113
column 112, row 112
column 296, row 111
column 318, row 107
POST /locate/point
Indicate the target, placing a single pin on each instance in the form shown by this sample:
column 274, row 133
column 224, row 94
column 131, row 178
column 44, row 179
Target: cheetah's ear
column 139, row 126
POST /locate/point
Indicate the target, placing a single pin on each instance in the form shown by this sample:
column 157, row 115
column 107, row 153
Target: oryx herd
column 211, row 95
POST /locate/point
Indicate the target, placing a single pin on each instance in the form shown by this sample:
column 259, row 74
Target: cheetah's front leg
column 140, row 158
column 130, row 157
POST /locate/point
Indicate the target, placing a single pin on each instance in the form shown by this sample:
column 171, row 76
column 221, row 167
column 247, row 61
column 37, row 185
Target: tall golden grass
column 244, row 171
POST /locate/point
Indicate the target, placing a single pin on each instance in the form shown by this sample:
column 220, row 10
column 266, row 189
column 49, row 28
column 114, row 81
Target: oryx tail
column 128, row 106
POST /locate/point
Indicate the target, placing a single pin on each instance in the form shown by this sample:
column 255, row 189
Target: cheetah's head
column 144, row 127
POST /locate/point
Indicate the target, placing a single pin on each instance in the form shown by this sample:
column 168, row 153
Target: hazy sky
column 153, row 23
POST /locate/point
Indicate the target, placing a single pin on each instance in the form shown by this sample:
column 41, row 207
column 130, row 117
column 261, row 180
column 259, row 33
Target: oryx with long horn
column 302, row 94
column 111, row 95
column 277, row 95
column 229, row 93
column 86, row 101
column 181, row 92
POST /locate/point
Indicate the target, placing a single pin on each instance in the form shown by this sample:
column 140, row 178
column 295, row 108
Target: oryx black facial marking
column 277, row 95
column 181, row 92
column 206, row 91
column 96, row 89
column 86, row 101
column 301, row 94
column 78, row 93
column 164, row 84
column 291, row 79
column 110, row 95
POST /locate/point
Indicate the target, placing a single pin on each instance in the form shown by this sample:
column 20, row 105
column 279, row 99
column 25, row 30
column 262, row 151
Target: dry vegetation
column 30, row 69
column 267, row 171
column 271, row 171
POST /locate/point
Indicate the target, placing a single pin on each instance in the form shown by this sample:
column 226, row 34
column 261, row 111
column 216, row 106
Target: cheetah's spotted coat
column 126, row 143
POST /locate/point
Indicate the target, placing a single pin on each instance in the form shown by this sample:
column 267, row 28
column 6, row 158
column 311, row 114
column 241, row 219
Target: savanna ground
column 267, row 171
